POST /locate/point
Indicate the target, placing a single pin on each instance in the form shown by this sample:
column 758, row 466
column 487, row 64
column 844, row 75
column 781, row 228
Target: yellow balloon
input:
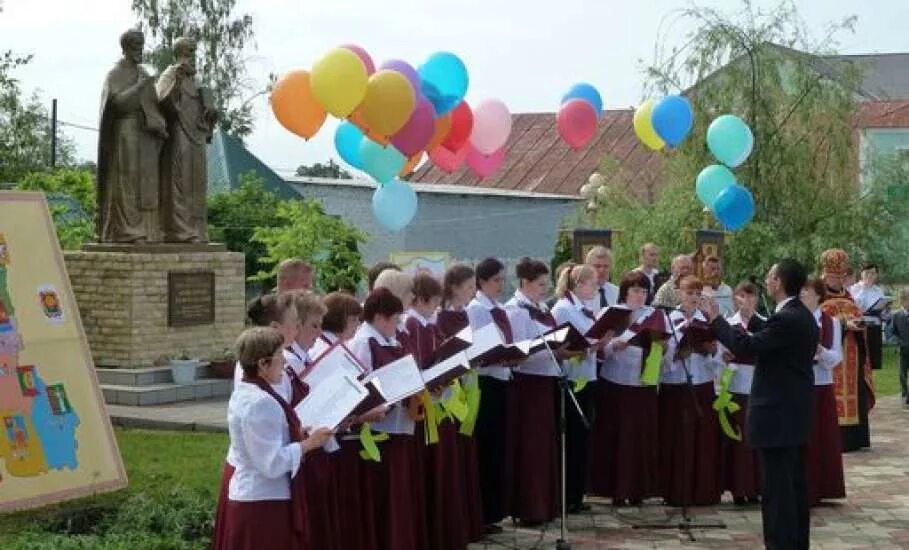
column 389, row 102
column 644, row 128
column 339, row 82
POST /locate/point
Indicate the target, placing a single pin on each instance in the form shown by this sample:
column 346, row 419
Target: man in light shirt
column 682, row 266
column 866, row 294
column 600, row 259
column 650, row 267
column 714, row 287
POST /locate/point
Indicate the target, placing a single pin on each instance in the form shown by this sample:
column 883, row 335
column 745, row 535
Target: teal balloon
column 394, row 205
column 443, row 81
column 672, row 118
column 734, row 207
column 348, row 139
column 382, row 163
column 712, row 181
column 730, row 140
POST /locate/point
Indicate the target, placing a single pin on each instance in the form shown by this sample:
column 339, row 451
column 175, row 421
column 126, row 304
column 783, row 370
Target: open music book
column 336, row 359
column 333, row 400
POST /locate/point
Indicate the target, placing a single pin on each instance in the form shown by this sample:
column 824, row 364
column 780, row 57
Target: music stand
column 687, row 523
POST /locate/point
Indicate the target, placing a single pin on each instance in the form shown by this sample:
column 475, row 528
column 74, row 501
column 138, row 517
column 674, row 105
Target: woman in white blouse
column 494, row 424
column 741, row 475
column 577, row 286
column 689, row 443
column 340, row 322
column 824, row 452
column 623, row 464
column 536, row 471
column 265, row 506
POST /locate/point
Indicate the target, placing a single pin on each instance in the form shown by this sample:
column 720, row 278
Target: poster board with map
column 56, row 440
column 412, row 263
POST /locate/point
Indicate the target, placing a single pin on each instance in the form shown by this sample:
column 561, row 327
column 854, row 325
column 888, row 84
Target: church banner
column 56, row 440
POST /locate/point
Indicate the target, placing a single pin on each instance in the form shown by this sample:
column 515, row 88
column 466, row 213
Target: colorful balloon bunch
column 667, row 121
column 731, row 141
column 580, row 111
column 392, row 116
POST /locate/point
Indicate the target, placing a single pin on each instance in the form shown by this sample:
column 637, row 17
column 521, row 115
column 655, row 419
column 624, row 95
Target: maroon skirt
column 447, row 513
column 535, row 493
column 399, row 517
column 320, row 471
column 689, row 454
column 219, row 536
column 741, row 475
column 823, row 456
column 260, row 524
column 623, row 462
column 356, row 499
column 473, row 498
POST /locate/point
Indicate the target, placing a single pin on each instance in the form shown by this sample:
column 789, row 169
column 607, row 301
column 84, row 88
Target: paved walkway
column 875, row 514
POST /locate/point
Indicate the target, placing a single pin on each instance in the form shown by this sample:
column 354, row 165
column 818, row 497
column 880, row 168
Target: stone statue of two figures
column 152, row 168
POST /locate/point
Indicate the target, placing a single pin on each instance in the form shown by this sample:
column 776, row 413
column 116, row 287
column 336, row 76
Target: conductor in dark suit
column 781, row 403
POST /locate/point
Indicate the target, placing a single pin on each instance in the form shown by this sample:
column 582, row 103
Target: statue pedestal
column 144, row 304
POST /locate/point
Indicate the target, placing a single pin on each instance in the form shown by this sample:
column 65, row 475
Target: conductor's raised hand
column 710, row 307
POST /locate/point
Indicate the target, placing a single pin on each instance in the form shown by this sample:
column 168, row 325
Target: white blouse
column 321, row 346
column 296, row 357
column 567, row 312
column 525, row 328
column 479, row 314
column 827, row 359
column 397, row 420
column 703, row 368
column 263, row 455
column 744, row 374
column 624, row 366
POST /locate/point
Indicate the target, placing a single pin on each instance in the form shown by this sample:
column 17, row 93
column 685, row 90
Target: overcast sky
column 526, row 53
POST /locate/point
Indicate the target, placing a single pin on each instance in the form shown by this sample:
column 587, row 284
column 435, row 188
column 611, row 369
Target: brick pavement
column 874, row 515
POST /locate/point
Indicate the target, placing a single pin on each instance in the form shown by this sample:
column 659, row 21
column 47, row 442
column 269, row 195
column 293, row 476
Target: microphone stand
column 687, row 523
column 564, row 389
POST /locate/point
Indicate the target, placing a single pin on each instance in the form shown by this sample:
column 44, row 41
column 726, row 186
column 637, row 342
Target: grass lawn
column 169, row 504
column 886, row 380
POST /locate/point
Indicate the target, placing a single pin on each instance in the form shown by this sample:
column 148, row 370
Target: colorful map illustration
column 37, row 422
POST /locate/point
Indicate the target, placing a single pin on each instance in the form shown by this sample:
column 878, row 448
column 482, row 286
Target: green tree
column 234, row 216
column 71, row 199
column 803, row 171
column 319, row 170
column 222, row 38
column 328, row 243
column 25, row 134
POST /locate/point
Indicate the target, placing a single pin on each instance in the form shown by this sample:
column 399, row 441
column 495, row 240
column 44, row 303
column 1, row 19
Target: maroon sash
column 540, row 316
column 826, row 331
column 298, row 388
column 450, row 322
column 383, row 355
column 297, row 497
column 423, row 340
column 500, row 318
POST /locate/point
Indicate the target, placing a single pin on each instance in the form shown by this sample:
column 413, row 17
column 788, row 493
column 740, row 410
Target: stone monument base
column 143, row 305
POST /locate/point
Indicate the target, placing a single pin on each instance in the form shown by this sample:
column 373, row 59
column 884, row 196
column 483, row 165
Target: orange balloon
column 356, row 118
column 295, row 106
column 443, row 126
column 411, row 165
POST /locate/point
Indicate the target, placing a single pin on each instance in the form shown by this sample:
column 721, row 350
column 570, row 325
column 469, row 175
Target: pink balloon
column 364, row 57
column 484, row 165
column 577, row 123
column 446, row 159
column 405, row 69
column 491, row 126
column 416, row 133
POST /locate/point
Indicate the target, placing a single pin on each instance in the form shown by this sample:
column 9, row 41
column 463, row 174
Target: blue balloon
column 672, row 119
column 730, row 140
column 347, row 142
column 588, row 93
column 382, row 163
column 712, row 181
column 443, row 81
column 734, row 207
column 394, row 205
